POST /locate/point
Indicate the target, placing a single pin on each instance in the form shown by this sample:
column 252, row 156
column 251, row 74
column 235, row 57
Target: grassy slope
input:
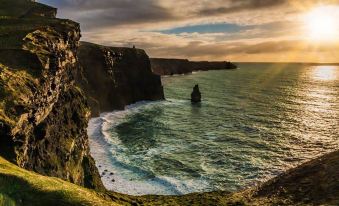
column 28, row 188
column 22, row 187
column 313, row 183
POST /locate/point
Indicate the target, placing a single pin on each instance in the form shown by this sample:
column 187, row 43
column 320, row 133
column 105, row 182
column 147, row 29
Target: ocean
column 253, row 123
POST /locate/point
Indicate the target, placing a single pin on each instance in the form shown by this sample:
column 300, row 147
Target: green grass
column 21, row 187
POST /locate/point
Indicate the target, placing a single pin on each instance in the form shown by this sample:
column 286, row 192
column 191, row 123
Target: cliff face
column 43, row 115
column 183, row 66
column 115, row 77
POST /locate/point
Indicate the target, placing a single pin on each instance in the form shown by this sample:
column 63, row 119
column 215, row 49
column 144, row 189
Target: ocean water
column 253, row 124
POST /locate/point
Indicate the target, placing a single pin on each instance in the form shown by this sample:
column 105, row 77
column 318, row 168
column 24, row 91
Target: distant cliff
column 162, row 66
column 113, row 77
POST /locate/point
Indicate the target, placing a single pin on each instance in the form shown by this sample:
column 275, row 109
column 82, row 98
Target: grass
column 21, row 187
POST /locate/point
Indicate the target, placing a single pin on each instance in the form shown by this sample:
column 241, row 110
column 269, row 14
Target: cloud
column 247, row 30
column 104, row 13
column 241, row 5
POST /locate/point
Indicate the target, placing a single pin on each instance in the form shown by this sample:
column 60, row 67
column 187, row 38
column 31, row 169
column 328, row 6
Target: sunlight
column 322, row 23
column 325, row 73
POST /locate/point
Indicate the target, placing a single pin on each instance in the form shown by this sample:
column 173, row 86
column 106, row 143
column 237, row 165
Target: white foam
column 105, row 148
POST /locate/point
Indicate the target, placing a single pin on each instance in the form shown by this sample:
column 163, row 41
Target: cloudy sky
column 236, row 30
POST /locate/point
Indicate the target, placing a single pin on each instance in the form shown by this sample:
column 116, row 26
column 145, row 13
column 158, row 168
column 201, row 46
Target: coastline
column 127, row 179
column 45, row 154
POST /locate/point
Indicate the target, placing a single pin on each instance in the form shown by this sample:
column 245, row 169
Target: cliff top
column 184, row 60
column 24, row 9
column 125, row 50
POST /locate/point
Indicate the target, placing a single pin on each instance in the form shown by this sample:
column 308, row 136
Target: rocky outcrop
column 162, row 66
column 113, row 77
column 196, row 95
column 43, row 114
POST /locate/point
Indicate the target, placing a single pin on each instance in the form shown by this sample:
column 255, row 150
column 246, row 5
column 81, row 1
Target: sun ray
column 321, row 24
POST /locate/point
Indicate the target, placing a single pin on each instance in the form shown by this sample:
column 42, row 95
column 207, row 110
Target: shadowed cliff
column 114, row 77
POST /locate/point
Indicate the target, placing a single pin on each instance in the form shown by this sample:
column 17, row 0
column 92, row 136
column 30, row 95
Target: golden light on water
column 322, row 23
column 325, row 73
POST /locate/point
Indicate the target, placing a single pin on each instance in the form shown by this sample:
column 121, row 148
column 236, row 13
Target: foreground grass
column 313, row 183
column 21, row 187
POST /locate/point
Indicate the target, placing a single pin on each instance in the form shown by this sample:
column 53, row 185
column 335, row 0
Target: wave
column 116, row 174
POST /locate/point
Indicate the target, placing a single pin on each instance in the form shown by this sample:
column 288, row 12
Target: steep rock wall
column 43, row 115
column 115, row 77
column 162, row 66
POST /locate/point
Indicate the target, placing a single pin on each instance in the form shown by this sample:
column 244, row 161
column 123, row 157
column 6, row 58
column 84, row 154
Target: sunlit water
column 253, row 123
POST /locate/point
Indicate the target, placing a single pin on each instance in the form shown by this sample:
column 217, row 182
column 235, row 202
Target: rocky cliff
column 43, row 114
column 162, row 66
column 114, row 77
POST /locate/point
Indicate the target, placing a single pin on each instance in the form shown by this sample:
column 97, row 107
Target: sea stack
column 196, row 94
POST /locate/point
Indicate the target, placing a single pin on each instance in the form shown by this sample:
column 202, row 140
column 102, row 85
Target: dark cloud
column 96, row 14
column 242, row 5
column 196, row 28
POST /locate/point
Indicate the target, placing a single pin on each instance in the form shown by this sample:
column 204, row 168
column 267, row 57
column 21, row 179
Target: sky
column 234, row 30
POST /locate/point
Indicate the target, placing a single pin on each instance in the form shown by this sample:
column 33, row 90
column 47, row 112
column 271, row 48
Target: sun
column 322, row 23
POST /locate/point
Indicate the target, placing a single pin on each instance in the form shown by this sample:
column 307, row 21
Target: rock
column 45, row 128
column 196, row 95
column 113, row 77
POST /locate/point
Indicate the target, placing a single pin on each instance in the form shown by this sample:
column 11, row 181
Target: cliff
column 162, row 66
column 114, row 77
column 43, row 114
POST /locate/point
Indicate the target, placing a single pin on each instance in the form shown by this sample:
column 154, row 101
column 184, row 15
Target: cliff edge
column 113, row 77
